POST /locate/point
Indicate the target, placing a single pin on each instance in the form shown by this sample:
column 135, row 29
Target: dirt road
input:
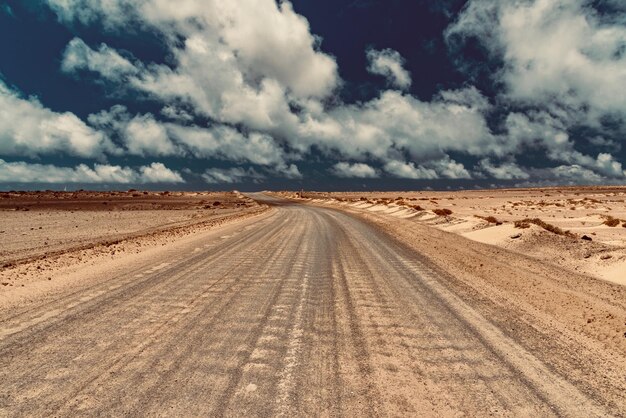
column 304, row 312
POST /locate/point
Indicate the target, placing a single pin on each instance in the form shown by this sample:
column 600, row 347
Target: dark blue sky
column 479, row 108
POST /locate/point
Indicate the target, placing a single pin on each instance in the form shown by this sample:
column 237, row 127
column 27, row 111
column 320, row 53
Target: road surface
column 304, row 312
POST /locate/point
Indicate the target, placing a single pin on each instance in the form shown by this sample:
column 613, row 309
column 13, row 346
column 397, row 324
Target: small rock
column 586, row 238
column 606, row 257
column 516, row 236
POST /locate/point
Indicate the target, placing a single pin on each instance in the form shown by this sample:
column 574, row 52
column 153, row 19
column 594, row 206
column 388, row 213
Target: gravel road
column 306, row 311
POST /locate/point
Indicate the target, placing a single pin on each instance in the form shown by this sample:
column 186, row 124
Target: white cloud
column 358, row 170
column 504, row 171
column 389, row 64
column 144, row 136
column 106, row 61
column 395, row 121
column 558, row 53
column 22, row 172
column 228, row 144
column 289, row 171
column 450, row 169
column 141, row 135
column 253, row 39
column 158, row 173
column 429, row 170
column 246, row 66
column 174, row 113
column 576, row 174
column 27, row 128
column 231, row 175
column 261, row 98
column 541, row 128
column 410, row 171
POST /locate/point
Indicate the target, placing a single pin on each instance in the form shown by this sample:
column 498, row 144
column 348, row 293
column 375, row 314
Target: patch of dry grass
column 490, row 219
column 442, row 212
column 611, row 221
column 525, row 223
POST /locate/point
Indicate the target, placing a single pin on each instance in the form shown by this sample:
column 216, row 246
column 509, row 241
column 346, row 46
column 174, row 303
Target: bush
column 217, row 203
column 525, row 223
column 442, row 212
column 611, row 221
column 490, row 219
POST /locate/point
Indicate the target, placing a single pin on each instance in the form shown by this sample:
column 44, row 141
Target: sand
column 43, row 234
column 583, row 211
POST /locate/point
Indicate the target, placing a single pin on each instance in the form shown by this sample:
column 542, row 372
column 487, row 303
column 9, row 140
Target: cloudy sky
column 324, row 94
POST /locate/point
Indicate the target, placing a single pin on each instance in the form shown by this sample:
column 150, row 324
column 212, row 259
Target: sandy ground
column 596, row 213
column 45, row 233
column 310, row 310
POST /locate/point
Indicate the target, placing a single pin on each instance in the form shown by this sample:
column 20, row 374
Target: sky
column 311, row 94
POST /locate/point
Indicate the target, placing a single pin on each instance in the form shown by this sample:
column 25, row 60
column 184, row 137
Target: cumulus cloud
column 262, row 97
column 226, row 92
column 559, row 53
column 231, row 175
column 355, row 170
column 143, row 135
column 576, row 174
column 389, row 64
column 429, row 170
column 289, row 171
column 502, row 171
column 22, row 172
column 409, row 170
column 27, row 128
column 227, row 143
column 242, row 38
column 177, row 114
column 395, row 121
column 451, row 169
column 106, row 61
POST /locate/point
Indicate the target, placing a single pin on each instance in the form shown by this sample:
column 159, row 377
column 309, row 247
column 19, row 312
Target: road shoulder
column 45, row 278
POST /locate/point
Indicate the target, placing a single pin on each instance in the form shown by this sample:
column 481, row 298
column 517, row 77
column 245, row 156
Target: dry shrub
column 522, row 224
column 442, row 212
column 490, row 219
column 611, row 221
column 525, row 223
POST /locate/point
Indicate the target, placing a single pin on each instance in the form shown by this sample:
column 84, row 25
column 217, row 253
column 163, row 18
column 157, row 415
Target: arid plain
column 501, row 302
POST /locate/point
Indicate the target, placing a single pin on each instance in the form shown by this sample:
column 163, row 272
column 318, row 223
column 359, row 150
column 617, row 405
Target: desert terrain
column 47, row 234
column 582, row 229
column 322, row 304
